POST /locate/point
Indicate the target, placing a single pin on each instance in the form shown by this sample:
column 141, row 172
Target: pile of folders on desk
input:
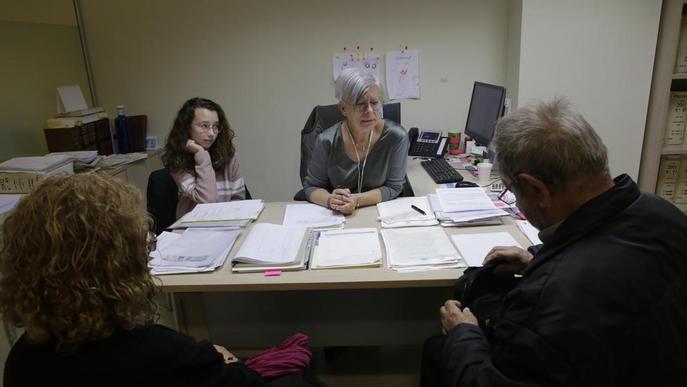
column 314, row 237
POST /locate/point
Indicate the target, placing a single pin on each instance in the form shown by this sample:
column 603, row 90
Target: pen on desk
column 417, row 209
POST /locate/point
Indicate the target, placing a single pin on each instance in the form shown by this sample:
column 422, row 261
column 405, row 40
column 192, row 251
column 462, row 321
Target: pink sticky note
column 272, row 273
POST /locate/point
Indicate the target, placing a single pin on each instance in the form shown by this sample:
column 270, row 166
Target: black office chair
column 162, row 196
column 321, row 118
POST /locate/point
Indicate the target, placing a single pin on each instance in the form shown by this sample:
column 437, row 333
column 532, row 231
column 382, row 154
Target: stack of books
column 672, row 179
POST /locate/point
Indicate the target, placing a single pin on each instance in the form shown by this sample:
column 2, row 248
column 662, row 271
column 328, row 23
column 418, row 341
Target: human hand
column 513, row 259
column 343, row 201
column 451, row 316
column 193, row 146
column 228, row 356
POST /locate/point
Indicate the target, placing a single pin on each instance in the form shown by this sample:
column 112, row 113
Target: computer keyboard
column 441, row 171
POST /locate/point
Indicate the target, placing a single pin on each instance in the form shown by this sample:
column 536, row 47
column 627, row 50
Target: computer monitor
column 486, row 107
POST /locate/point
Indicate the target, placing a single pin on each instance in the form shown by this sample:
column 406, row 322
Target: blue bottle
column 122, row 130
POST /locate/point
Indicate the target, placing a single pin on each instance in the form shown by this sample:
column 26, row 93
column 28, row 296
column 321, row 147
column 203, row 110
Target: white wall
column 268, row 63
column 513, row 50
column 600, row 55
column 40, row 51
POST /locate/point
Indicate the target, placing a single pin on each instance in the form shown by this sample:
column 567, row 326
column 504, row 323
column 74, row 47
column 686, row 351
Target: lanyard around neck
column 361, row 171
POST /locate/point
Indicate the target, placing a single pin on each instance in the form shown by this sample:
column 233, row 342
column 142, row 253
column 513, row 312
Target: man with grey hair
column 603, row 301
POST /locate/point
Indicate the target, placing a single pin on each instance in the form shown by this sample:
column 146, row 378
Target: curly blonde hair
column 74, row 261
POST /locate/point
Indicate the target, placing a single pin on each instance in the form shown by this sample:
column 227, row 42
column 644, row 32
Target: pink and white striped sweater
column 207, row 185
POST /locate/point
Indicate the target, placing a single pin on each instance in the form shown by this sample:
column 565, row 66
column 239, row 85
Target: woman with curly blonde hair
column 74, row 274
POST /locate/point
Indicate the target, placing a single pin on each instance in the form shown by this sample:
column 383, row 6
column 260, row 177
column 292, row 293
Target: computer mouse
column 466, row 184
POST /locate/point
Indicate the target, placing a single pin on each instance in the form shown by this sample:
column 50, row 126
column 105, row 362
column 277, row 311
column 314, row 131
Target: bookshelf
column 655, row 167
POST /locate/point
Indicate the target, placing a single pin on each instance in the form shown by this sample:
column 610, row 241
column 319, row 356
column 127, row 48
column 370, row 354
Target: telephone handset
column 426, row 144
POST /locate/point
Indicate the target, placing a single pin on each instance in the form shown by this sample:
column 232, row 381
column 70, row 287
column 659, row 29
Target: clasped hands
column 342, row 200
column 509, row 259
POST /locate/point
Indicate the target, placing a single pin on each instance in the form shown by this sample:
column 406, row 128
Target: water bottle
column 122, row 130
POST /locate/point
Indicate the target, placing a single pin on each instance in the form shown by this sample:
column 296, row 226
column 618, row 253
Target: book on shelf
column 681, row 182
column 22, row 174
column 667, row 176
column 94, row 135
column 681, row 59
column 677, row 116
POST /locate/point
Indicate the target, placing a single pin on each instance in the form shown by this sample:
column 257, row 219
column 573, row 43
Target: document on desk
column 474, row 247
column 415, row 249
column 196, row 250
column 271, row 243
column 469, row 217
column 530, row 231
column 406, row 212
column 8, row 202
column 312, row 215
column 352, row 247
column 224, row 211
column 464, row 199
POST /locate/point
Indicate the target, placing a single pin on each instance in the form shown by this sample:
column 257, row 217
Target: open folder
column 273, row 247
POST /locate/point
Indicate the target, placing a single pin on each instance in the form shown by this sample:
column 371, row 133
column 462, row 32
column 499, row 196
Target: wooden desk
column 367, row 306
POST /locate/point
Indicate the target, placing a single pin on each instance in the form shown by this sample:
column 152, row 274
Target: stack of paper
column 352, row 247
column 8, row 202
column 475, row 247
column 313, row 216
column 85, row 157
column 34, row 164
column 112, row 161
column 406, row 212
column 419, row 249
column 271, row 247
column 530, row 231
column 225, row 214
column 464, row 206
column 196, row 250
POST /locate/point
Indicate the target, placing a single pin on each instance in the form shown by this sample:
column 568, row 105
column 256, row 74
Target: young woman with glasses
column 201, row 157
column 361, row 160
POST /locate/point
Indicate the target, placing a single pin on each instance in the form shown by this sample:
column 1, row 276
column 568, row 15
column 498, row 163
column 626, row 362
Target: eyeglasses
column 151, row 241
column 361, row 107
column 507, row 196
column 206, row 127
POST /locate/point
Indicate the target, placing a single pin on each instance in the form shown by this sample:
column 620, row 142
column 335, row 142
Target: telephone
column 426, row 144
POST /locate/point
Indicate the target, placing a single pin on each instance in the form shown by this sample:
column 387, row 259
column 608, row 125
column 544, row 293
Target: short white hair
column 353, row 82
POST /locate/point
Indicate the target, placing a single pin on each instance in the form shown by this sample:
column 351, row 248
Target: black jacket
column 603, row 303
column 146, row 356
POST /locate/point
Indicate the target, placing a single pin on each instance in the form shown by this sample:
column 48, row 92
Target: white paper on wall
column 403, row 74
column 367, row 60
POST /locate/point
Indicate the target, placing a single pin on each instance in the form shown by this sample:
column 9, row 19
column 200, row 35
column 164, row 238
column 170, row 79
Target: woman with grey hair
column 361, row 160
